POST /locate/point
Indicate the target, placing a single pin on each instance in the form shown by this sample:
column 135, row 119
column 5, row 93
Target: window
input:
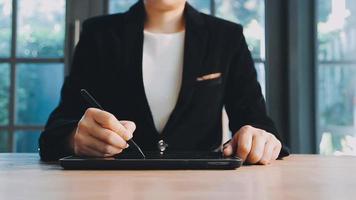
column 336, row 72
column 116, row 6
column 249, row 13
column 31, row 69
column 120, row 5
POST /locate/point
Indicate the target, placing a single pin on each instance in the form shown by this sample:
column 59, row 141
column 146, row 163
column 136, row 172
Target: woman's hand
column 100, row 134
column 253, row 145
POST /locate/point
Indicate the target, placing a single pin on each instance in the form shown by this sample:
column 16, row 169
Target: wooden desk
column 23, row 176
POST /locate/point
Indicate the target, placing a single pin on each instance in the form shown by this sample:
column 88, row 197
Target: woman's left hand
column 254, row 145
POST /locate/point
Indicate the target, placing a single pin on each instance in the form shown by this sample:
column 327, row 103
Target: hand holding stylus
column 100, row 134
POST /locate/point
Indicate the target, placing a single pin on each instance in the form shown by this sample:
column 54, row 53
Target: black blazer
column 108, row 63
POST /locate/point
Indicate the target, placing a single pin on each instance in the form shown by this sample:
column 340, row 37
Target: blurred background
column 304, row 52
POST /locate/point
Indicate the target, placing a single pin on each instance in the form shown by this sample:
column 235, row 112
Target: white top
column 162, row 67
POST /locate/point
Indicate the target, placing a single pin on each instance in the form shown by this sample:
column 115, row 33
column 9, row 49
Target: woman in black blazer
column 217, row 71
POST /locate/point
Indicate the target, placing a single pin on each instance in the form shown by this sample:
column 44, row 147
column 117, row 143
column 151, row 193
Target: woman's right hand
column 100, row 134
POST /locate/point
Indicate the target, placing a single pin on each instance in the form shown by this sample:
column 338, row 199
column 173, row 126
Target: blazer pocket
column 211, row 76
column 209, row 82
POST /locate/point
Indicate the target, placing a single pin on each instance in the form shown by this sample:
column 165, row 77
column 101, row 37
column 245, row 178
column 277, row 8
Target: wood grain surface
column 24, row 176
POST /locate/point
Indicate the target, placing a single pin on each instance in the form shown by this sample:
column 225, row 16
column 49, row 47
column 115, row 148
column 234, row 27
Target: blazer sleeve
column 54, row 140
column 244, row 102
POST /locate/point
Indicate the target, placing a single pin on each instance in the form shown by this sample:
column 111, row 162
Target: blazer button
column 162, row 146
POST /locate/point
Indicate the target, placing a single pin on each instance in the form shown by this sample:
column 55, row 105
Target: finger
column 228, row 149
column 244, row 144
column 106, row 136
column 258, row 145
column 82, row 150
column 109, row 121
column 268, row 152
column 86, row 151
column 129, row 125
column 100, row 146
column 276, row 150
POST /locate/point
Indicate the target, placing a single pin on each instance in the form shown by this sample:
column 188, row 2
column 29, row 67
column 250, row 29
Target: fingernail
column 127, row 145
column 129, row 136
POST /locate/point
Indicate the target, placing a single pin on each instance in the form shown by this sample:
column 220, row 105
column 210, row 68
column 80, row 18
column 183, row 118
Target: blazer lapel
column 133, row 45
column 194, row 52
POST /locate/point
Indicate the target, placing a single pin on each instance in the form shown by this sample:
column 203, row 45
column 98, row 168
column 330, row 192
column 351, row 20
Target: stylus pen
column 227, row 142
column 93, row 103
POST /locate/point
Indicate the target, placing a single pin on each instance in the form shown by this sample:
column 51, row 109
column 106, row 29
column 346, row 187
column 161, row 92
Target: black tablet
column 154, row 160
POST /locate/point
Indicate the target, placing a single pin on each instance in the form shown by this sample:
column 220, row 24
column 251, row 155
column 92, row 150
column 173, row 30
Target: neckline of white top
column 180, row 33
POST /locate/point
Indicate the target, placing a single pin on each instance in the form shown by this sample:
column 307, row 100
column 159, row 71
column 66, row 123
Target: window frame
column 291, row 72
column 13, row 60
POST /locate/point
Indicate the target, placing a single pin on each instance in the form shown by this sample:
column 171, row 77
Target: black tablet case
column 154, row 160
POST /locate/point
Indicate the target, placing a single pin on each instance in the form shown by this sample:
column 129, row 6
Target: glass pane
column 4, row 145
column 336, row 79
column 250, row 14
column 5, row 27
column 37, row 91
column 201, row 5
column 337, row 29
column 261, row 76
column 26, row 141
column 41, row 27
column 4, row 93
column 118, row 6
column 337, row 108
